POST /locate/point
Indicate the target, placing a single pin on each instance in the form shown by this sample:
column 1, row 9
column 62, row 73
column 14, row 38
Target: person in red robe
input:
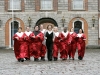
column 27, row 42
column 64, row 43
column 81, row 38
column 56, row 43
column 73, row 44
column 43, row 49
column 37, row 38
column 19, row 47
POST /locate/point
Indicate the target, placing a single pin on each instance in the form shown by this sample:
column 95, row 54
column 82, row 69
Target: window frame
column 13, row 9
column 85, row 6
column 46, row 9
column 10, row 10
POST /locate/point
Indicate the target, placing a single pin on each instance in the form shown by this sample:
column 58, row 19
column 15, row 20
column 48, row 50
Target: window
column 46, row 5
column 99, row 5
column 78, row 5
column 14, row 5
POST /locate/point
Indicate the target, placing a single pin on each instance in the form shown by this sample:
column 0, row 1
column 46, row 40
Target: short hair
column 20, row 28
column 27, row 26
column 37, row 26
column 49, row 25
column 82, row 30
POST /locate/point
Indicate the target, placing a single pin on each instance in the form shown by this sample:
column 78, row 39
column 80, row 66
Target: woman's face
column 41, row 26
column 36, row 28
column 80, row 31
column 55, row 29
column 49, row 27
column 72, row 30
column 28, row 29
column 19, row 30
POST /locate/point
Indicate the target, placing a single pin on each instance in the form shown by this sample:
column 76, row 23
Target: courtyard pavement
column 90, row 65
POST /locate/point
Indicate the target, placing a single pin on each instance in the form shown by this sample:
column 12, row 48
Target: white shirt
column 20, row 34
column 71, row 32
column 79, row 35
column 65, row 33
column 43, row 31
column 28, row 33
column 49, row 32
column 56, row 34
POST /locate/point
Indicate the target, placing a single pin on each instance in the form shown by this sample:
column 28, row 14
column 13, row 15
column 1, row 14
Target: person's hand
column 38, row 36
column 45, row 37
column 17, row 38
column 24, row 37
column 33, row 36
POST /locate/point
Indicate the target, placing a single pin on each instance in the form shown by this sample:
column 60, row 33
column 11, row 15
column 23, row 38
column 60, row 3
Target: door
column 14, row 29
column 77, row 26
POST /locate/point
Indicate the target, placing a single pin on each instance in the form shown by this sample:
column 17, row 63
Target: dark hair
column 49, row 25
column 27, row 26
column 82, row 30
column 37, row 26
column 20, row 28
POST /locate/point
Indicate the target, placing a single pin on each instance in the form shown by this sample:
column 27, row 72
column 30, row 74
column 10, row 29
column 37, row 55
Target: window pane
column 78, row 4
column 46, row 4
column 15, row 4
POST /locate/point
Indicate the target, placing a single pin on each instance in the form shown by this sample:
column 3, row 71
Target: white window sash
column 46, row 5
column 78, row 5
column 16, row 5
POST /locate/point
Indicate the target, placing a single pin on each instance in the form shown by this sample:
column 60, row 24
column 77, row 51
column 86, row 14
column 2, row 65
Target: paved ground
column 89, row 66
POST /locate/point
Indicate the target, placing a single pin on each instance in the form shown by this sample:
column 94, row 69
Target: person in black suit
column 49, row 42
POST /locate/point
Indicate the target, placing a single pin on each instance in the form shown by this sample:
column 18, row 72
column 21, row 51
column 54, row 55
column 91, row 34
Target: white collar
column 56, row 34
column 65, row 33
column 71, row 32
column 49, row 31
column 80, row 35
column 43, row 30
column 19, row 34
column 28, row 33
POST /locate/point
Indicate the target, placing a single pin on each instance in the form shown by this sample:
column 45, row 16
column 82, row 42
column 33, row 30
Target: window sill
column 14, row 10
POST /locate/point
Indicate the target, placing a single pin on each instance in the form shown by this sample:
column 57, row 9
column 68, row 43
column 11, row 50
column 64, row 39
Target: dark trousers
column 49, row 50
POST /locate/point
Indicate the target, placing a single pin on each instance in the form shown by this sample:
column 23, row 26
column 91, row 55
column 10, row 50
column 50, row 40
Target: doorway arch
column 46, row 22
column 79, row 22
column 8, row 28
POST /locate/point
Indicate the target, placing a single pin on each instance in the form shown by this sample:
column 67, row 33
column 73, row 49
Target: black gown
column 49, row 45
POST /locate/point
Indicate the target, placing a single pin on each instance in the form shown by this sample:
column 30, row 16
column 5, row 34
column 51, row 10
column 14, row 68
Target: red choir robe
column 43, row 49
column 56, row 44
column 81, row 45
column 73, row 45
column 36, row 44
column 19, row 45
column 64, row 44
column 27, row 44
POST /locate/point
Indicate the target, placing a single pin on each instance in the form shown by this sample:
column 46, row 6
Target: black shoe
column 36, row 59
column 79, row 57
column 42, row 58
column 69, row 57
column 27, row 58
column 49, row 59
column 22, row 60
column 55, row 58
column 19, row 60
column 72, row 58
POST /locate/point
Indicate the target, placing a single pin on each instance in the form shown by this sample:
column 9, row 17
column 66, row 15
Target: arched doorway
column 10, row 29
column 77, row 26
column 14, row 28
column 46, row 21
column 78, row 23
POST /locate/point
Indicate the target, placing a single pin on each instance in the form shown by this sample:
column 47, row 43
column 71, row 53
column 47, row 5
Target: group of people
column 41, row 41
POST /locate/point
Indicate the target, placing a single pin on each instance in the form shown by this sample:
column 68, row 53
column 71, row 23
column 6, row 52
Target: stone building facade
column 62, row 13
